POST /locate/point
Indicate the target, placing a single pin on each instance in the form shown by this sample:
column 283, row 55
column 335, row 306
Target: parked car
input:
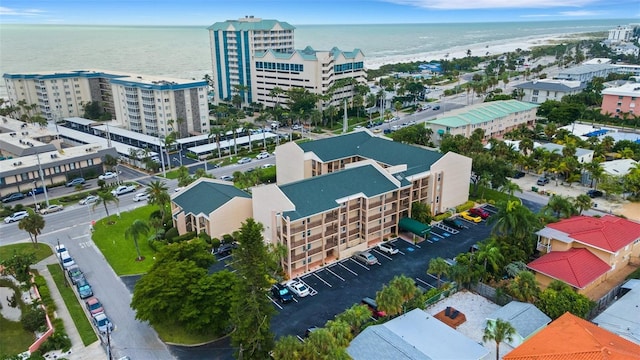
column 542, row 181
column 84, row 289
column 89, row 200
column 76, row 181
column 266, row 166
column 473, row 218
column 66, row 260
column 75, row 274
column 94, row 306
column 388, row 247
column 13, row 197
column 36, row 191
column 365, row 257
column 479, row 212
column 298, row 288
column 281, row 293
column 51, row 209
column 594, row 193
column 102, row 323
column 373, row 307
column 225, row 249
column 60, row 248
column 226, row 178
column 123, row 189
column 244, row 160
column 454, row 222
column 16, row 216
column 262, row 155
column 108, row 175
column 141, row 196
column 518, row 174
column 436, row 107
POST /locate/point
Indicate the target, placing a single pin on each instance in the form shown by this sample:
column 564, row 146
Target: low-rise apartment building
column 584, row 251
column 622, row 101
column 541, row 90
column 495, row 118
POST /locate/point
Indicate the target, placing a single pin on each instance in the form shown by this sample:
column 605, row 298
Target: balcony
column 374, row 204
column 314, row 224
column 354, row 206
column 314, row 237
column 375, row 216
column 391, row 212
column 297, row 229
column 295, row 244
column 546, row 248
column 375, row 229
column 330, row 230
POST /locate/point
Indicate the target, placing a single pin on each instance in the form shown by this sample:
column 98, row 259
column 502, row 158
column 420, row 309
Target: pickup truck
column 123, row 189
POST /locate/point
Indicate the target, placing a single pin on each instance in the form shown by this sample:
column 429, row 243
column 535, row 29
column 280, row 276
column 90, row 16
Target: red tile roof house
column 584, row 251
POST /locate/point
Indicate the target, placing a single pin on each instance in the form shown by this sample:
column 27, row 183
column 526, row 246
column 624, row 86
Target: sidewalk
column 78, row 351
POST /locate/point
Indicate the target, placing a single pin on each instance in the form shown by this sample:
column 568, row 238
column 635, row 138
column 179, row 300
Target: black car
column 225, row 249
column 518, row 174
column 454, row 223
column 13, row 197
column 594, row 193
column 281, row 293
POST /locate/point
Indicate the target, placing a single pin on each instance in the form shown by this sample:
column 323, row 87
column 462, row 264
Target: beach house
column 541, row 90
column 622, row 101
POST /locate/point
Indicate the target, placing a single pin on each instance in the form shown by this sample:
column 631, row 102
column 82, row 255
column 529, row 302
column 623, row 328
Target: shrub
column 442, row 216
column 188, row 236
column 171, row 234
column 33, row 319
column 58, row 340
column 227, row 239
column 45, row 294
column 215, row 243
column 466, row 206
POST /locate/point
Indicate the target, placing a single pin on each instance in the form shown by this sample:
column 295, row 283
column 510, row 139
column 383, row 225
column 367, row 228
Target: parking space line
column 433, row 276
column 336, row 275
column 274, row 302
column 349, row 270
column 426, row 283
column 382, row 254
column 321, row 279
column 364, row 266
column 400, row 252
column 436, row 234
column 300, row 338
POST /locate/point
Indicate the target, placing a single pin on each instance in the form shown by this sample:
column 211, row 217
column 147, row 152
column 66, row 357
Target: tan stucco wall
column 267, row 201
column 289, row 163
column 453, row 189
column 228, row 218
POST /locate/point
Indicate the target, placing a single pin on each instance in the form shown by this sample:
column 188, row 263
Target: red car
column 479, row 212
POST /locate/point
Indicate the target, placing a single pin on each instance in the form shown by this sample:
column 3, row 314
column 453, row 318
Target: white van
column 66, row 260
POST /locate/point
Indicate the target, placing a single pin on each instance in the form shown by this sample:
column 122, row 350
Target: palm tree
column 104, row 198
column 232, row 126
column 438, row 267
column 389, row 300
column 248, row 126
column 561, row 206
column 510, row 187
column 582, row 202
column 137, row 229
column 524, row 287
column 158, row 195
column 356, row 316
column 489, row 253
column 32, row 224
column 498, row 331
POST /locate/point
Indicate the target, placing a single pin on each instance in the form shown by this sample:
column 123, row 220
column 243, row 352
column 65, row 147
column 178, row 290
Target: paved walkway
column 78, row 350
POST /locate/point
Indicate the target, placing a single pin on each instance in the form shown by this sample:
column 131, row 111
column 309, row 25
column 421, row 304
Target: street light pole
column 33, row 193
column 44, row 186
column 164, row 172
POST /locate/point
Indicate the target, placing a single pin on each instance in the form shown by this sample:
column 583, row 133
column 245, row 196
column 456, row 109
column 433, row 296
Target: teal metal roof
column 483, row 113
column 206, row 196
column 318, row 194
column 367, row 146
column 261, row 25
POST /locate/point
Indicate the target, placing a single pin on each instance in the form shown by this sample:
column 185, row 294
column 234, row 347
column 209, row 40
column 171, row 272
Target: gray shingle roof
column 318, row 194
column 372, row 147
column 549, row 86
column 207, row 196
column 524, row 317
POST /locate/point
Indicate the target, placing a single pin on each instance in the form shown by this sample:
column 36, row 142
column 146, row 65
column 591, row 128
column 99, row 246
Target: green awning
column 414, row 226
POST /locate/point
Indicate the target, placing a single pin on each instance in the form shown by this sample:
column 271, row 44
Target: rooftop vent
column 17, row 163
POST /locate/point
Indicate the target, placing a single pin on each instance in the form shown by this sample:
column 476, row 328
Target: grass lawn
column 120, row 252
column 177, row 335
column 75, row 308
column 489, row 195
column 13, row 338
column 42, row 251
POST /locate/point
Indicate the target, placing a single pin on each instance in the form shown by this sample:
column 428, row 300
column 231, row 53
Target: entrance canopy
column 414, row 226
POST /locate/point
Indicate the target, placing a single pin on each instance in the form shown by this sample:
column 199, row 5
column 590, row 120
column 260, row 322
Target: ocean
column 183, row 51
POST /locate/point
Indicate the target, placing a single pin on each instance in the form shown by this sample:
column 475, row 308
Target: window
column 535, row 92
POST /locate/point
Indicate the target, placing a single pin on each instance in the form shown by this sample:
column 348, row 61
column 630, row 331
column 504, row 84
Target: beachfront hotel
column 233, row 43
column 495, row 118
column 313, row 70
column 145, row 104
column 252, row 56
column 621, row 101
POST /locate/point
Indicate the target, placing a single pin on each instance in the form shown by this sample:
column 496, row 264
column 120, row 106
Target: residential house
column 211, row 206
column 570, row 337
column 525, row 318
column 621, row 102
column 584, row 251
column 415, row 335
column 541, row 90
column 586, row 72
column 584, row 156
column 495, row 118
column 623, row 316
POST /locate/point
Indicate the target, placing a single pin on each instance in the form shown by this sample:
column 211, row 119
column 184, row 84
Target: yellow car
column 377, row 131
column 465, row 215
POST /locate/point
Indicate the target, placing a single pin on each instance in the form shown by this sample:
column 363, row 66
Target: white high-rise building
column 620, row 34
column 233, row 43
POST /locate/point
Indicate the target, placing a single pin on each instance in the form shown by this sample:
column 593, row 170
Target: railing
column 374, row 229
column 354, row 206
column 391, row 212
column 314, row 224
column 375, row 216
column 330, row 230
column 314, row 237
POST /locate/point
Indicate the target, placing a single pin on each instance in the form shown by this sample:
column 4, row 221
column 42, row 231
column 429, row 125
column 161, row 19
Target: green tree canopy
column 559, row 298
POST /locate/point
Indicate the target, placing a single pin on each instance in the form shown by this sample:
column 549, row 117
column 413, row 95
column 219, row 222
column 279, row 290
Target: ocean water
column 183, row 51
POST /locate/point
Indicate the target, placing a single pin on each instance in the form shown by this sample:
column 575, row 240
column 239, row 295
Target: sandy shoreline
column 480, row 49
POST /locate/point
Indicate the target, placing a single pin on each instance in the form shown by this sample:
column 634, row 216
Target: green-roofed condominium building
column 344, row 194
column 495, row 118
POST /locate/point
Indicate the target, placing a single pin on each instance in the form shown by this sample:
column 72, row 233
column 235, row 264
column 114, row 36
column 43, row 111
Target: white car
column 244, row 160
column 266, row 166
column 262, row 155
column 108, row 175
column 51, row 209
column 388, row 248
column 123, row 189
column 298, row 288
column 89, row 200
column 16, row 216
column 66, row 260
column 141, row 196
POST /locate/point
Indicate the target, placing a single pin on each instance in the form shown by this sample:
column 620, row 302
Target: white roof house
column 623, row 316
column 415, row 335
column 619, row 167
column 524, row 317
column 583, row 155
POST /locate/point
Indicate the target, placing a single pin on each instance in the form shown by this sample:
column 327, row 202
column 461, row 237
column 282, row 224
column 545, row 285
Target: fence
column 604, row 301
column 36, row 345
column 434, row 299
column 493, row 294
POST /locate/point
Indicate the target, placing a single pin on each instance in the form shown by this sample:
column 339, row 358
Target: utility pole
column 44, row 186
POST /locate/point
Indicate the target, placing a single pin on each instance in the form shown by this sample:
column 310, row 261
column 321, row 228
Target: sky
column 304, row 12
